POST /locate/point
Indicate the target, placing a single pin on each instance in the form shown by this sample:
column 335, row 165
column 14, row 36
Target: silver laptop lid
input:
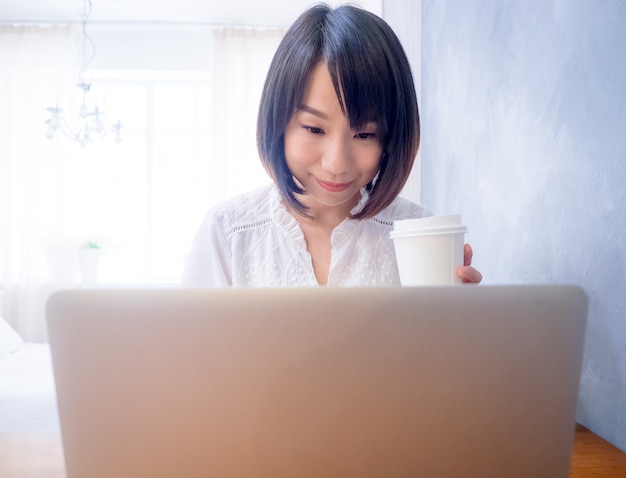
column 438, row 382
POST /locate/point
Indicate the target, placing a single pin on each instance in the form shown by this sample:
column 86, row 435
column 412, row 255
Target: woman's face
column 329, row 159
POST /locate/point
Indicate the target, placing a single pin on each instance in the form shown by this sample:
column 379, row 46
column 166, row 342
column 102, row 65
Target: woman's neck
column 324, row 216
column 317, row 229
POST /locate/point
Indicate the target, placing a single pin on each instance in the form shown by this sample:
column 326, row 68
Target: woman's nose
column 336, row 157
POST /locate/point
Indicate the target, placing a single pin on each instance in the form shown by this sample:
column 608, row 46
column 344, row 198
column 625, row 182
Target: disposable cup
column 429, row 250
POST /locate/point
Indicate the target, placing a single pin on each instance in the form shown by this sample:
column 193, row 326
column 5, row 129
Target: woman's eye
column 313, row 129
column 365, row 135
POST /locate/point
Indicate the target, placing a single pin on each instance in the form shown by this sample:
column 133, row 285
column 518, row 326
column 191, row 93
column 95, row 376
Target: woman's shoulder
column 400, row 208
column 251, row 207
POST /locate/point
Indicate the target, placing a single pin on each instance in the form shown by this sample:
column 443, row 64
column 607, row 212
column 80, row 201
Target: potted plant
column 88, row 261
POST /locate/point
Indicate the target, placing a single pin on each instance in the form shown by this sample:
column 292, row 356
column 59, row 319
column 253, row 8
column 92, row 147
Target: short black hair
column 373, row 80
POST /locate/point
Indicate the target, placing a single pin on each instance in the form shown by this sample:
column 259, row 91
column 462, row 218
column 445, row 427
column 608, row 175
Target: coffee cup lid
column 428, row 231
column 447, row 220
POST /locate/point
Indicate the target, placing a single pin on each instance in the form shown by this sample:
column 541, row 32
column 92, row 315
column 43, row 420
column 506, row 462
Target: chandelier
column 90, row 123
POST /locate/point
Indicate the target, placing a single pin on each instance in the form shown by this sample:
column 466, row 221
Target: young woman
column 338, row 130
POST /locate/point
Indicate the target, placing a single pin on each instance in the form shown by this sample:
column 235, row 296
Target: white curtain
column 42, row 183
column 36, row 66
column 241, row 57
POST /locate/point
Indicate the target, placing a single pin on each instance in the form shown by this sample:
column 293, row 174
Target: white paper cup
column 429, row 250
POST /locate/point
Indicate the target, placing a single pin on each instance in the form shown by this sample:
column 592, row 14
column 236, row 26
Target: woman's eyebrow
column 313, row 111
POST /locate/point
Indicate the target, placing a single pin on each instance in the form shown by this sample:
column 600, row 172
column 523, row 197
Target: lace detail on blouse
column 244, row 227
column 252, row 241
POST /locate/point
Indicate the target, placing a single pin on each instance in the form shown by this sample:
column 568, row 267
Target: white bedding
column 27, row 393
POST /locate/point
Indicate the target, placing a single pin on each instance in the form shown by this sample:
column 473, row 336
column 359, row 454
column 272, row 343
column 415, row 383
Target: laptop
column 472, row 381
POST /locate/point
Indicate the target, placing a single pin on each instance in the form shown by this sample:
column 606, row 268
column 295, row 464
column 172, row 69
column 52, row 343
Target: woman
column 338, row 130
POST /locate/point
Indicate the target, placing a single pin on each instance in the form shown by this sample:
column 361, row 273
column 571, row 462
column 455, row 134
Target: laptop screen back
column 439, row 382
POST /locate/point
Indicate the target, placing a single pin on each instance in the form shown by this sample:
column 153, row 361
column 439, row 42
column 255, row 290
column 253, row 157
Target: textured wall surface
column 524, row 134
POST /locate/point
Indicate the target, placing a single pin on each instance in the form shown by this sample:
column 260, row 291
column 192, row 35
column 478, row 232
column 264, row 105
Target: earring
column 296, row 182
column 375, row 180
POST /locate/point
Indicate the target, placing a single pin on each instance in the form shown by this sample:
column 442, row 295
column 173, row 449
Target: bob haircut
column 373, row 81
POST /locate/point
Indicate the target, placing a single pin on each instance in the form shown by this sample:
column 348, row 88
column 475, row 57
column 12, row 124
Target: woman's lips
column 333, row 187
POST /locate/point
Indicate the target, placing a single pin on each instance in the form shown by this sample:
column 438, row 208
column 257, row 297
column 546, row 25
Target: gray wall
column 524, row 134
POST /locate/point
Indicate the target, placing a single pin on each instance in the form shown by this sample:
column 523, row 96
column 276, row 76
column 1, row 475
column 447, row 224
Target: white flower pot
column 88, row 261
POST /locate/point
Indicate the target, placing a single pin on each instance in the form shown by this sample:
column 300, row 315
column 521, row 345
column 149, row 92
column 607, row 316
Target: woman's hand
column 466, row 272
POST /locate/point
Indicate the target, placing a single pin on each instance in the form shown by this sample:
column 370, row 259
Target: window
column 145, row 197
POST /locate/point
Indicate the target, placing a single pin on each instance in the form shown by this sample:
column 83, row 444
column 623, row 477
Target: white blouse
column 253, row 241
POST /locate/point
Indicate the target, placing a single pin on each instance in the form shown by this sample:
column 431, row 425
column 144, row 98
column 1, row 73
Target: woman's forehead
column 322, row 89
